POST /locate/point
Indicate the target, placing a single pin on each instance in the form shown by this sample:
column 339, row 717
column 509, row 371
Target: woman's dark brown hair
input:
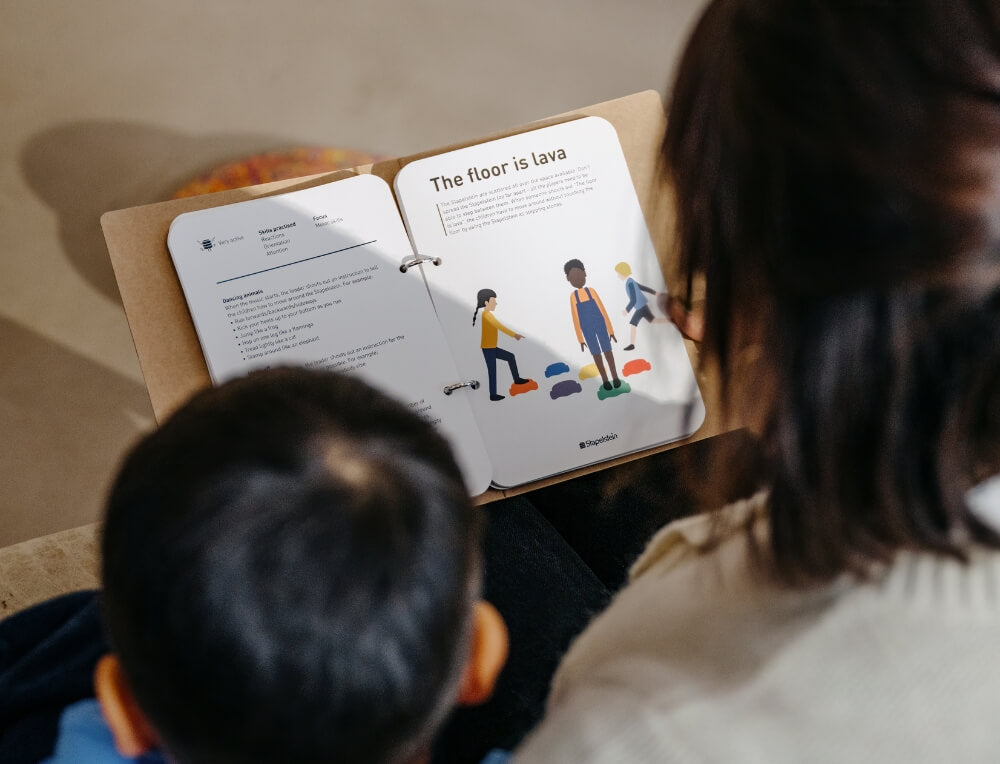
column 837, row 173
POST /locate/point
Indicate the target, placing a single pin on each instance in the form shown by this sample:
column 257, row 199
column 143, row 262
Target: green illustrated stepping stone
column 602, row 393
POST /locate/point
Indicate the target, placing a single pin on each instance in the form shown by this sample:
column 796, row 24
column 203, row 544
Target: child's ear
column 131, row 730
column 487, row 655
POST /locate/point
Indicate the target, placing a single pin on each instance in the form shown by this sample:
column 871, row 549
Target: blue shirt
column 634, row 291
column 84, row 738
column 496, row 756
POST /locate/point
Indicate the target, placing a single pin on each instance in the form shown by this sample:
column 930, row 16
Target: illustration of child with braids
column 486, row 300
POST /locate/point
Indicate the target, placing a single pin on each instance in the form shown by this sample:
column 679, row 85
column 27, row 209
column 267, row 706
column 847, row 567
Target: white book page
column 507, row 216
column 312, row 278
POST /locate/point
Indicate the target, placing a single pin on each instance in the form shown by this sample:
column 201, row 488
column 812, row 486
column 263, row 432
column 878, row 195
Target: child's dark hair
column 837, row 182
column 571, row 264
column 289, row 567
column 483, row 296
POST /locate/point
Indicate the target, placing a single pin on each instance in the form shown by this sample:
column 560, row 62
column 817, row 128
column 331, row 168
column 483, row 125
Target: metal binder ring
column 473, row 383
column 409, row 262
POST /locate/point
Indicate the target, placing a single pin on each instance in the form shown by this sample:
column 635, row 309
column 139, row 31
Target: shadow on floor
column 84, row 169
column 66, row 422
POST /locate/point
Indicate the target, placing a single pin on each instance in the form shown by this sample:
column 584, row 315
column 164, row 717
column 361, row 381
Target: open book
column 513, row 302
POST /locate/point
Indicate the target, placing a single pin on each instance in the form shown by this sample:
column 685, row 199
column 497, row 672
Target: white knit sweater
column 703, row 659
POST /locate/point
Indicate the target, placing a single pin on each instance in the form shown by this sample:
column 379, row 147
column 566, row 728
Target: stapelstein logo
column 599, row 441
column 208, row 245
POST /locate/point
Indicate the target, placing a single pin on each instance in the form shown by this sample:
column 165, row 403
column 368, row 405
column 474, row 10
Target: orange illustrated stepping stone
column 524, row 387
column 636, row 366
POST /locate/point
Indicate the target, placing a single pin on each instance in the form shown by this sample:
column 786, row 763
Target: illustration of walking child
column 593, row 327
column 486, row 300
column 636, row 301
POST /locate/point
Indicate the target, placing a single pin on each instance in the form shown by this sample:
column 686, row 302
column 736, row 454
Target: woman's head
column 837, row 173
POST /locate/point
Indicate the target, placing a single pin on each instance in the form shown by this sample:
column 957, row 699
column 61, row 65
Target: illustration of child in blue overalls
column 593, row 327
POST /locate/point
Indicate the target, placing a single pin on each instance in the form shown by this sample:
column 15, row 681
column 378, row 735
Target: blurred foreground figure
column 837, row 175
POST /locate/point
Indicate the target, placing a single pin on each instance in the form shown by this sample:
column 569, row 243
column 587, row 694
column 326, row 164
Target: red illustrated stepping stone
column 636, row 366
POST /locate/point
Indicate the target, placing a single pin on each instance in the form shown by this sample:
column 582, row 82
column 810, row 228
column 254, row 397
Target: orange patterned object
column 275, row 165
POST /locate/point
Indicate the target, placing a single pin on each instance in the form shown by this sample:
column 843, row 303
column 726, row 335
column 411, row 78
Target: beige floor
column 110, row 104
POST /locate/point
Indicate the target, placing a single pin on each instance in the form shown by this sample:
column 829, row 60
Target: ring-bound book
column 511, row 291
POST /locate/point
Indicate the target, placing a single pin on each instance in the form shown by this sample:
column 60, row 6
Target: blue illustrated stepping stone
column 554, row 370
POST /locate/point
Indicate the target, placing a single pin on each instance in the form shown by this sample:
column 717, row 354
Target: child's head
column 291, row 570
column 576, row 274
column 836, row 167
column 623, row 269
column 483, row 298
